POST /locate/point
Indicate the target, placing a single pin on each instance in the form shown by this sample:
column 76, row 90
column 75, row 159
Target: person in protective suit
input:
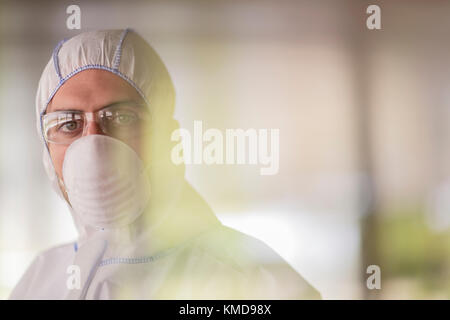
column 104, row 108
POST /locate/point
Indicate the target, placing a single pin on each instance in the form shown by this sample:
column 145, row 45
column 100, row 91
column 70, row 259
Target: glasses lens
column 124, row 121
column 63, row 127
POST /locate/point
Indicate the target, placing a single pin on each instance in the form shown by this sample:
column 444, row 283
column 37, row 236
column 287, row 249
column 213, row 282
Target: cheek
column 136, row 145
column 57, row 153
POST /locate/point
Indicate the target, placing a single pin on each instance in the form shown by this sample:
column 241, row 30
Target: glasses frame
column 94, row 116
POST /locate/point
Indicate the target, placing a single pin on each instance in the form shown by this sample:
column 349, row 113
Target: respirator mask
column 106, row 182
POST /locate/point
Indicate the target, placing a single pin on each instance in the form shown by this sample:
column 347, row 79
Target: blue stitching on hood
column 118, row 52
column 55, row 58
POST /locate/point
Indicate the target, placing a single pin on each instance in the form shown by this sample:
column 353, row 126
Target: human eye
column 68, row 123
column 70, row 126
column 125, row 117
column 121, row 117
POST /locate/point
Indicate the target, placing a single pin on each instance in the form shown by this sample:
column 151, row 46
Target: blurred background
column 364, row 119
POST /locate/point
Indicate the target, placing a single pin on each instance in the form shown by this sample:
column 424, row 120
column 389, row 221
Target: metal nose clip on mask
column 106, row 181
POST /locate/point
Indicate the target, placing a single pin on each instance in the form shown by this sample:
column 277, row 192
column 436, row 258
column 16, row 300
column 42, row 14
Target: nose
column 92, row 127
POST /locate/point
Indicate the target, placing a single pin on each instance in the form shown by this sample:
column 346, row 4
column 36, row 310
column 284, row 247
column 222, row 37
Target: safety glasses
column 122, row 121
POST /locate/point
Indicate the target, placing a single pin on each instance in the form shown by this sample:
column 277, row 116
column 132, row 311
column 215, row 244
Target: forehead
column 91, row 90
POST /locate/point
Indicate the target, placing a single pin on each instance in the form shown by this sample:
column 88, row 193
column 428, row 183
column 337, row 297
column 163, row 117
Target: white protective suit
column 177, row 249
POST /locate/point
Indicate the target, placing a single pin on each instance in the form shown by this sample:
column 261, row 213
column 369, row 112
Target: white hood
column 122, row 52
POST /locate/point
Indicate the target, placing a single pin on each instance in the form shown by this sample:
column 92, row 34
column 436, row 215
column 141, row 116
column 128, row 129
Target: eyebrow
column 116, row 103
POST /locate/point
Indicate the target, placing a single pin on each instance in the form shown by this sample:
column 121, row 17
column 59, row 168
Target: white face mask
column 105, row 181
